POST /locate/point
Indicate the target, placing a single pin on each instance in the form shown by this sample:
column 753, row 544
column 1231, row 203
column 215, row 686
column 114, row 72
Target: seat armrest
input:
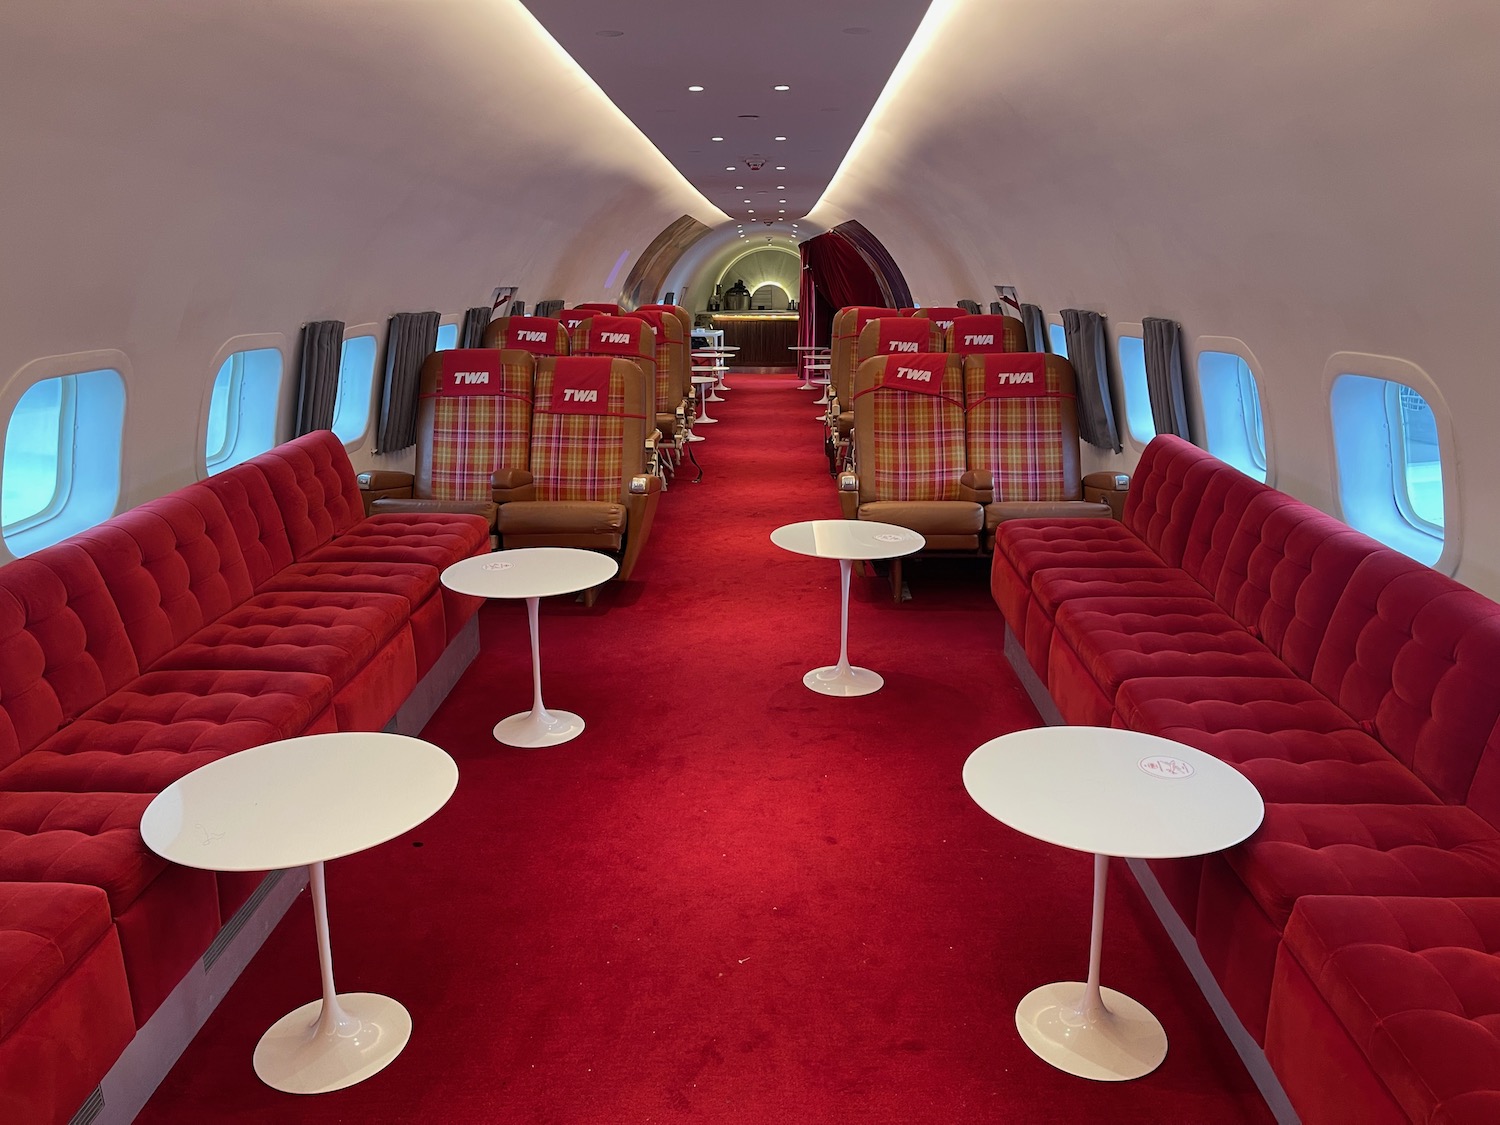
column 849, row 495
column 1108, row 488
column 641, row 496
column 511, row 484
column 643, row 483
column 977, row 486
column 382, row 484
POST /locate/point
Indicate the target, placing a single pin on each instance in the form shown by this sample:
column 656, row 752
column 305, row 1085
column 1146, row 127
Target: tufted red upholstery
column 60, row 968
column 1413, row 983
column 1356, row 688
column 255, row 606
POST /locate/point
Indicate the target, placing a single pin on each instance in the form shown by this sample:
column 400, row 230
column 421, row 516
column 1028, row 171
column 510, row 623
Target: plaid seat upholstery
column 916, row 448
column 943, row 315
column 848, row 323
column 473, row 417
column 539, row 335
column 894, row 335
column 672, row 363
column 628, row 337
column 577, row 456
column 1015, row 429
column 985, row 332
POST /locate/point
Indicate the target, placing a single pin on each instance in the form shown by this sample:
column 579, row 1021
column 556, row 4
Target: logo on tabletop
column 1164, row 765
column 468, row 371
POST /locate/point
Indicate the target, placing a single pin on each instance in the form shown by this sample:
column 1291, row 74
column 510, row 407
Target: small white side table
column 846, row 540
column 704, row 383
column 295, row 803
column 532, row 573
column 1113, row 793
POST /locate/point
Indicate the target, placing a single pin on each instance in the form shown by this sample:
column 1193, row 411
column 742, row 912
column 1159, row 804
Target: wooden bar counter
column 764, row 339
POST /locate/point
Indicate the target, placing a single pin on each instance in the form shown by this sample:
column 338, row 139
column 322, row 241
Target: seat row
column 952, row 446
column 550, row 450
column 1356, row 933
column 257, row 605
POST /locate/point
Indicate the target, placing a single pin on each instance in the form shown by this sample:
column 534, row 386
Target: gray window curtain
column 970, row 307
column 318, row 378
column 518, row 308
column 1036, row 328
column 1090, row 359
column 997, row 309
column 475, row 322
column 549, row 308
column 410, row 339
column 1163, row 347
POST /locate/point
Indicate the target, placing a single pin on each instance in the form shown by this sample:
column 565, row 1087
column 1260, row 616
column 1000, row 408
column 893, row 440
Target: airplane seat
column 587, row 484
column 945, row 315
column 606, row 307
column 912, row 470
column 626, row 337
column 978, row 333
column 572, row 318
column 473, row 419
column 848, row 323
column 1021, row 424
column 539, row 335
column 885, row 335
column 673, row 375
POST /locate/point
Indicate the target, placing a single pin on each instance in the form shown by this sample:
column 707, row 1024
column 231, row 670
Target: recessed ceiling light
column 695, row 89
column 778, row 138
column 781, row 201
column 781, row 187
column 716, row 138
column 781, row 167
column 730, row 168
column 773, row 87
column 782, row 211
column 609, row 34
column 739, row 187
column 751, row 211
column 747, row 201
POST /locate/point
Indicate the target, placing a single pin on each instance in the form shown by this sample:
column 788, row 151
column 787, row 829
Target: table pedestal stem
column 842, row 678
column 336, row 1041
column 1088, row 1030
column 537, row 727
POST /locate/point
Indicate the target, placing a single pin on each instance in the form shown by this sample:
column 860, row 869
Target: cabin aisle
column 730, row 899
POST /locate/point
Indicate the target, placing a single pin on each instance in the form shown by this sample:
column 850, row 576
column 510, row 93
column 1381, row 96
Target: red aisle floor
column 730, row 899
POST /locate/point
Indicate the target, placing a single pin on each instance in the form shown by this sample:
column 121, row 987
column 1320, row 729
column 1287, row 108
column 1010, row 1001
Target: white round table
column 704, row 383
column 532, row 573
column 295, row 803
column 846, row 540
column 814, row 352
column 1113, row 793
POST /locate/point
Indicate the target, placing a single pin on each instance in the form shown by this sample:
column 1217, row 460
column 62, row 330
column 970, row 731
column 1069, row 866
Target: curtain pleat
column 1087, row 353
column 971, row 307
column 518, row 308
column 548, row 308
column 475, row 322
column 997, row 309
column 410, row 339
column 1163, row 348
column 318, row 379
column 807, row 313
column 1036, row 328
column 894, row 292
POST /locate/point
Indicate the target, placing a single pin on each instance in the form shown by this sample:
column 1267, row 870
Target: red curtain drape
column 834, row 274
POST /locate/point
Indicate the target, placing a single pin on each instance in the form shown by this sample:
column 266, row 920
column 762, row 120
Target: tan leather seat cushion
column 845, row 423
column 536, row 517
column 483, row 508
column 927, row 517
column 1000, row 511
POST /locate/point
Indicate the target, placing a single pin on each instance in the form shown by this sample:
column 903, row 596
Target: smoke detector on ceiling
column 755, row 163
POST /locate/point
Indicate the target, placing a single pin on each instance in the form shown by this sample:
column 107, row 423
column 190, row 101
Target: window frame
column 1400, row 486
column 284, row 411
column 1133, row 406
column 1358, row 463
column 1232, row 345
column 95, row 435
column 354, row 332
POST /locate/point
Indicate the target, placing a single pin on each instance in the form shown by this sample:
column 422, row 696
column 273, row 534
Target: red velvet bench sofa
column 1356, row 935
column 257, row 605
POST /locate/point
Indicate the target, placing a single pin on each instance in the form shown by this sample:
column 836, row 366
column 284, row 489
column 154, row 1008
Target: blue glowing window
column 242, row 408
column 351, row 409
column 1059, row 339
column 447, row 337
column 1234, row 427
column 1138, row 419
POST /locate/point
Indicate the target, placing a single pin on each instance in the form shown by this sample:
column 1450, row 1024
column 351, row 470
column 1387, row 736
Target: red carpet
column 730, row 899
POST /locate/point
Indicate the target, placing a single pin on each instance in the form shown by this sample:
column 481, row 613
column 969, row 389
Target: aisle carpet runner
column 730, row 899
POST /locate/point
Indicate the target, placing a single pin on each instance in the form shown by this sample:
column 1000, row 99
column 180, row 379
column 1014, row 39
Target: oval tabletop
column 299, row 801
column 529, row 572
column 1113, row 792
column 847, row 539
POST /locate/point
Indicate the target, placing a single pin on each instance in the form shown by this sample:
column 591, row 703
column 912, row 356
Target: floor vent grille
column 90, row 1110
column 237, row 923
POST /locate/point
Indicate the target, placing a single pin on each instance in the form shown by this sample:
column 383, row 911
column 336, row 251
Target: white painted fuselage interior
column 1315, row 182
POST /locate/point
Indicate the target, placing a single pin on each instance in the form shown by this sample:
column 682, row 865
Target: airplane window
column 351, row 409
column 1389, row 457
column 62, row 458
column 242, row 408
column 447, row 338
column 1138, row 419
column 1059, row 340
column 1234, row 427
